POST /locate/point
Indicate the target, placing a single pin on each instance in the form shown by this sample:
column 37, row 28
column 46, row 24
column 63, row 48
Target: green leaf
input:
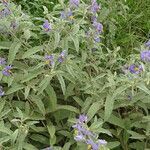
column 136, row 135
column 2, row 104
column 144, row 88
column 37, row 100
column 51, row 130
column 14, row 88
column 116, row 121
column 52, row 98
column 113, row 145
column 62, row 83
column 66, row 146
column 27, row 146
column 31, row 51
column 57, row 39
column 13, row 51
column 27, row 90
column 44, row 83
column 76, row 43
column 5, row 45
column 68, row 107
column 27, row 34
column 109, row 104
column 93, row 110
column 30, row 76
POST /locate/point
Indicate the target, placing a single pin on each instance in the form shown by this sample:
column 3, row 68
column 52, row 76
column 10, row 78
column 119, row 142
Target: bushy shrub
column 62, row 67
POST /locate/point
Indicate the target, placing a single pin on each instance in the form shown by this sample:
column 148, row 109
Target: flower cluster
column 145, row 57
column 83, row 134
column 6, row 71
column 5, row 11
column 97, row 26
column 94, row 7
column 67, row 15
column 50, row 60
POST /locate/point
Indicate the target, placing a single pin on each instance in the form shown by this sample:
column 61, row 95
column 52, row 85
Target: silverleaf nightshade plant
column 83, row 134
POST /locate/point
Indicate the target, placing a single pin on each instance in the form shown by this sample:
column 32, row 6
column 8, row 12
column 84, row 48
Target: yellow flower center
column 136, row 68
column 71, row 17
column 75, row 132
column 89, row 147
column 47, row 62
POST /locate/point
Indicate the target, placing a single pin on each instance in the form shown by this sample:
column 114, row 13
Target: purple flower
column 79, row 137
column 74, row 3
column 62, row 56
column 83, row 118
column 102, row 142
column 93, row 19
column 94, row 145
column 67, row 15
column 2, row 61
column 50, row 60
column 5, row 12
column 147, row 43
column 145, row 55
column 47, row 26
column 7, row 71
column 94, row 7
column 134, row 69
column 63, row 15
column 97, row 39
column 1, row 91
column 98, row 26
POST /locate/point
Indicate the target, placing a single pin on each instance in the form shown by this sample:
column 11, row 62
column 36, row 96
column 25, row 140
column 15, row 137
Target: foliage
column 60, row 63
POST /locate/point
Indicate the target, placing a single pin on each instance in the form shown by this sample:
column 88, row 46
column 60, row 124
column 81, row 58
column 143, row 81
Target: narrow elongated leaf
column 93, row 110
column 66, row 146
column 76, row 43
column 144, row 88
column 51, row 130
column 31, row 51
column 62, row 83
column 13, row 51
column 68, row 107
column 136, row 135
column 5, row 45
column 44, row 83
column 52, row 98
column 57, row 39
column 14, row 88
column 109, row 104
column 37, row 100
